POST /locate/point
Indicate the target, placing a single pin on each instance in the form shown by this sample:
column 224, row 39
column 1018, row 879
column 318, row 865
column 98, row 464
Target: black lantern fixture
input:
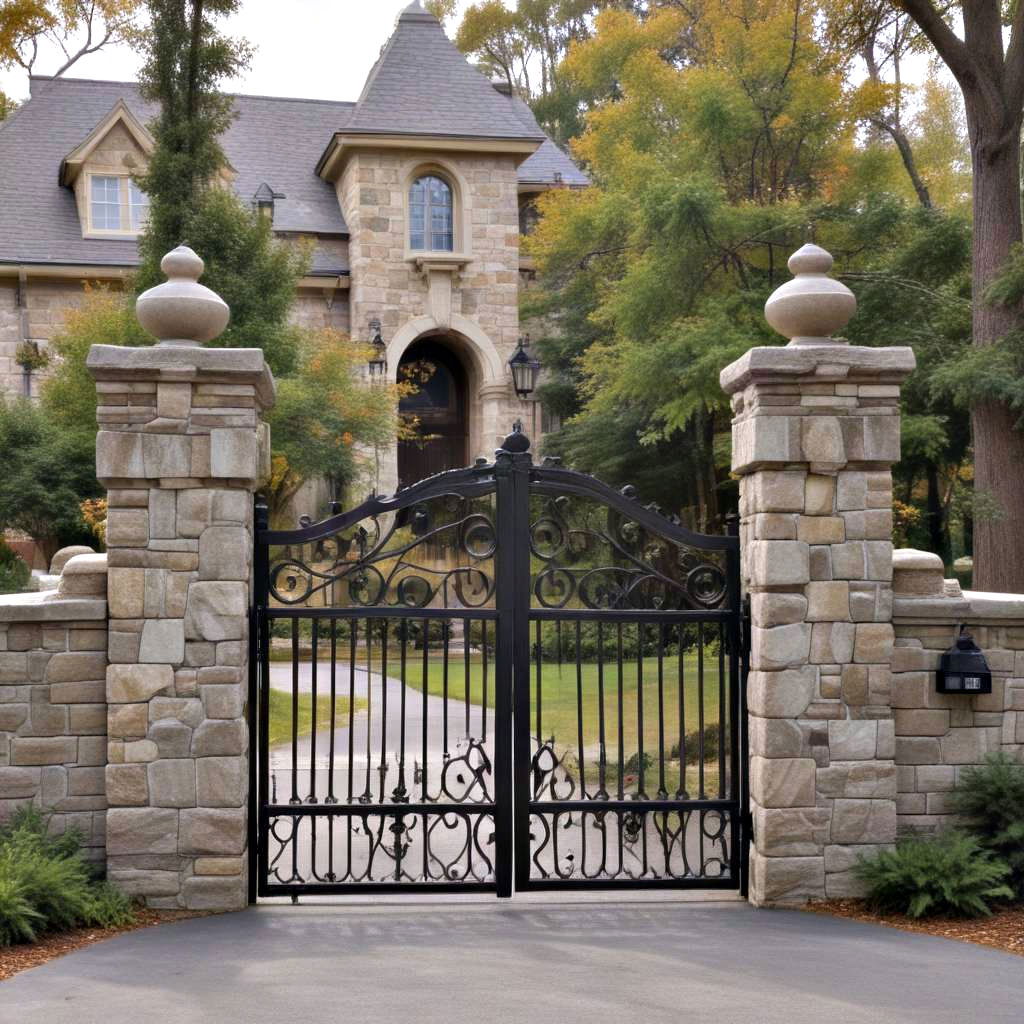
column 963, row 668
column 524, row 369
column 378, row 358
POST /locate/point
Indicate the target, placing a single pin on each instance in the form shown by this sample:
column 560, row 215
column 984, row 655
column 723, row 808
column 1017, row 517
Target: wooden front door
column 439, row 405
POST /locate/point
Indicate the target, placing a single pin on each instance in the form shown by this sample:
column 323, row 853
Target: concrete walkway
column 481, row 963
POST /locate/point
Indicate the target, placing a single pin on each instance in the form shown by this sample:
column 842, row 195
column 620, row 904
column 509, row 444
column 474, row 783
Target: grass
column 281, row 715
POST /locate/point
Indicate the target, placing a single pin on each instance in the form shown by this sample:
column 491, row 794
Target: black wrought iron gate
column 506, row 677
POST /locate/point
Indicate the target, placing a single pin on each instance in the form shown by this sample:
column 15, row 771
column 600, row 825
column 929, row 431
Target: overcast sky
column 315, row 48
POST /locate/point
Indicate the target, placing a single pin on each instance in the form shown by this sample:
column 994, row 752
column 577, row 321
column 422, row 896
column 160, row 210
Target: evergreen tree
column 188, row 181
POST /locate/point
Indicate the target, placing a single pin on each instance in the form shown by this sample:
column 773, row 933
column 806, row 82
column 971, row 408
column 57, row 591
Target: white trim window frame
column 116, row 205
column 431, row 214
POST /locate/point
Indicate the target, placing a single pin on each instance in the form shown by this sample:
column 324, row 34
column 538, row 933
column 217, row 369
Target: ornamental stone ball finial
column 181, row 311
column 813, row 306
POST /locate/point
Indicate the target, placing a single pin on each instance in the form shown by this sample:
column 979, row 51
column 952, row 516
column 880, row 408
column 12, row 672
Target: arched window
column 430, row 214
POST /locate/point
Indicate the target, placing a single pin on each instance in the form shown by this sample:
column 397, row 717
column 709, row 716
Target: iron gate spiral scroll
column 506, row 677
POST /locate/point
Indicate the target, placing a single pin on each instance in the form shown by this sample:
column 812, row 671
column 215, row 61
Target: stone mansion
column 414, row 198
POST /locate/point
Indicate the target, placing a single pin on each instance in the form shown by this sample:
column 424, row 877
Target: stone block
column 921, row 721
column 16, row 783
column 791, row 831
column 775, row 609
column 764, row 439
column 935, row 778
column 167, row 455
column 820, row 562
column 219, row 737
column 778, row 563
column 130, row 684
column 208, row 892
column 828, row 601
column 851, row 492
column 173, row 400
column 162, row 508
column 172, row 738
column 848, row 560
column 832, row 643
column 13, row 667
column 40, row 750
column 222, row 700
column 127, row 785
column 163, row 642
column 870, row 780
column 119, row 455
column 127, row 721
column 917, row 750
column 221, row 781
column 225, row 553
column 819, row 495
column 863, row 821
column 873, row 642
column 212, row 831
column 882, row 438
column 87, row 781
column 74, row 666
column 195, row 511
column 127, row 527
column 968, row 746
column 776, row 737
column 783, row 694
column 782, row 781
column 145, row 882
column 234, row 454
column 780, row 647
column 232, row 506
column 772, row 491
column 820, row 530
column 221, row 866
column 87, row 719
column 135, row 830
column 183, row 709
column 216, row 611
column 774, row 526
column 785, row 879
column 852, row 740
column 821, row 441
column 172, row 782
column 87, row 691
column 140, row 751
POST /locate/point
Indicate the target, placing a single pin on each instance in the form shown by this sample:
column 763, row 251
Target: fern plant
column 990, row 799
column 950, row 874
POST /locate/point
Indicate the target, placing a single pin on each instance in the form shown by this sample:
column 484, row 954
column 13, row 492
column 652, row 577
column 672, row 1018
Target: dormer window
column 116, row 204
column 431, row 220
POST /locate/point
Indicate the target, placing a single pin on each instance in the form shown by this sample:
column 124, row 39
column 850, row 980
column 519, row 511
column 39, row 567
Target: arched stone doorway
column 441, row 406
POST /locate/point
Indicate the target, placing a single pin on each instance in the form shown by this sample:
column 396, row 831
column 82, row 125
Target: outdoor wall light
column 378, row 358
column 963, row 668
column 524, row 369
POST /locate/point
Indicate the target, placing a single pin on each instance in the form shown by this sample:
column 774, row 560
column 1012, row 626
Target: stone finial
column 813, row 306
column 181, row 311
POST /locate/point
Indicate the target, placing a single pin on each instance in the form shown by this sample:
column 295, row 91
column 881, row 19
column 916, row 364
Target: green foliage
column 47, row 885
column 990, row 797
column 7, row 106
column 949, row 874
column 188, row 182
column 48, row 472
column 14, row 573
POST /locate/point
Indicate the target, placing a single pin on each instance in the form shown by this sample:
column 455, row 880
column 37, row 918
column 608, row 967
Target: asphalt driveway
column 477, row 963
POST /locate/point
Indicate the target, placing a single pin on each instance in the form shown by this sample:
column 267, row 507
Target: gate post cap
column 516, row 442
column 181, row 311
column 811, row 307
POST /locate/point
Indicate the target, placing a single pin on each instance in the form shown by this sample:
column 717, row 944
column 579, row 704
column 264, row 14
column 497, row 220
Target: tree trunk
column 938, row 535
column 998, row 446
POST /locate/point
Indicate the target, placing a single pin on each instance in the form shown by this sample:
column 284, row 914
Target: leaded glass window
column 430, row 214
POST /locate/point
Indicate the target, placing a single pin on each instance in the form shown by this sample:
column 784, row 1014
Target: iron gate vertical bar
column 504, row 635
column 744, row 740
column 258, row 712
column 734, row 639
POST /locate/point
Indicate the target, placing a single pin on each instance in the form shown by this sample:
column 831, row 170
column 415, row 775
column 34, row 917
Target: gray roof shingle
column 274, row 141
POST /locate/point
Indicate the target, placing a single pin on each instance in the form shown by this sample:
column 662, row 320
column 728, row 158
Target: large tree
column 988, row 65
column 76, row 28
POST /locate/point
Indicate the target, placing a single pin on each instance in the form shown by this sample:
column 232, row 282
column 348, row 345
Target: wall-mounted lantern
column 524, row 369
column 378, row 357
column 963, row 668
column 263, row 200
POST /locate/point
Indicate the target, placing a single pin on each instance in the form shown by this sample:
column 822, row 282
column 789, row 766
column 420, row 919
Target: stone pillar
column 180, row 450
column 816, row 430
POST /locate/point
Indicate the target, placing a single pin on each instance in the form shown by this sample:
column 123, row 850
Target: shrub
column 47, row 885
column 14, row 573
column 990, row 798
column 948, row 874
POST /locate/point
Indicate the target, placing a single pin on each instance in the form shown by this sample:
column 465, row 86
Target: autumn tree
column 7, row 105
column 987, row 61
column 76, row 28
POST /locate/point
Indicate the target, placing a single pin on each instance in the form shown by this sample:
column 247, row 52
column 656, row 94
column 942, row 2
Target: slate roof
column 274, row 141
column 444, row 95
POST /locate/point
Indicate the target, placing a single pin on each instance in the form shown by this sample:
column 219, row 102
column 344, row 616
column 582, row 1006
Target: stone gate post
column 816, row 430
column 180, row 450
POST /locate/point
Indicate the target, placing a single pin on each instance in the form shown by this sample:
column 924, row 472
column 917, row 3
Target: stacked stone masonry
column 939, row 735
column 53, row 711
column 815, row 433
column 180, row 450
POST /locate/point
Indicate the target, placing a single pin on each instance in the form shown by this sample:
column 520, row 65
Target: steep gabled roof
column 422, row 85
column 120, row 114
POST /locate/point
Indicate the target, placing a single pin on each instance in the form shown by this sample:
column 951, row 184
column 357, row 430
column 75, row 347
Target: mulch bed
column 21, row 957
column 1003, row 930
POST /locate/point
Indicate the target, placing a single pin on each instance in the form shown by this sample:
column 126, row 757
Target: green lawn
column 281, row 714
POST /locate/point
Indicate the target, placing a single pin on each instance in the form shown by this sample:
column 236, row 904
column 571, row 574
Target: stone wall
column 53, row 715
column 180, row 450
column 938, row 735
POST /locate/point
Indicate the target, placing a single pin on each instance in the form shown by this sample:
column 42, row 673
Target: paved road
column 588, row 963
